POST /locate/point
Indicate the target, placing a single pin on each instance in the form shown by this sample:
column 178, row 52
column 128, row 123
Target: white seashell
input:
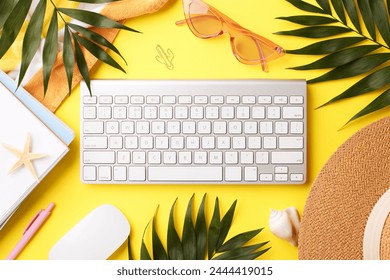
column 285, row 224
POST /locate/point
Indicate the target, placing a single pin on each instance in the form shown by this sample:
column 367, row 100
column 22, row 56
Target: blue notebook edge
column 63, row 131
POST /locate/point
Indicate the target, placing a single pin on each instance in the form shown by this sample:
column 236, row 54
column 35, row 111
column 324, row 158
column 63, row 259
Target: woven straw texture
column 343, row 195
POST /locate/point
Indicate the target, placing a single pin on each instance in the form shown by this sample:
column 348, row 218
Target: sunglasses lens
column 252, row 50
column 204, row 21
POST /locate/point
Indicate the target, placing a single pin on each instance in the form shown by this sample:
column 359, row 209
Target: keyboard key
column 227, row 113
column 212, row 113
column 93, row 127
column 105, row 99
column 266, row 99
column 250, row 174
column 89, row 173
column 98, row 142
column 201, row 99
column 258, row 112
column 139, row 157
column 296, row 177
column 105, row 173
column 216, row 99
column 104, row 112
column 137, row 99
column 90, row 99
column 185, row 173
column 120, row 113
column 89, row 112
column 281, row 177
column 266, row 177
column 287, row 157
column 296, row 127
column 170, row 99
column 153, row 99
column 120, row 173
column 281, row 169
column 281, row 127
column 112, row 127
column 196, row 112
column 266, row 127
column 296, row 99
column 154, row 157
column 116, row 142
column 293, row 112
column 273, row 112
column 185, row 99
column 248, row 99
column 121, row 99
column 137, row 173
column 232, row 99
column 291, row 142
column 233, row 173
column 242, row 113
column 135, row 112
column 124, row 157
column 104, row 157
column 280, row 99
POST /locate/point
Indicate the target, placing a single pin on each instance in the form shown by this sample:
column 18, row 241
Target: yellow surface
column 194, row 59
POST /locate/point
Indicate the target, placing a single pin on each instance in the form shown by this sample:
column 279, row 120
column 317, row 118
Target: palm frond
column 342, row 57
column 13, row 14
column 197, row 237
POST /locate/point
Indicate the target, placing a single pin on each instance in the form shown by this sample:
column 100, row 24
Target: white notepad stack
column 24, row 120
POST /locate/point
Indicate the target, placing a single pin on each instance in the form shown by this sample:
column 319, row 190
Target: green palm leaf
column 175, row 250
column 338, row 7
column 81, row 63
column 352, row 13
column 195, row 238
column 365, row 11
column 370, row 83
column 68, row 57
column 50, row 50
column 144, row 251
column 13, row 14
column 95, row 37
column 13, row 24
column 98, row 52
column 338, row 58
column 201, row 231
column 94, row 19
column 342, row 57
column 354, row 68
column 189, row 235
column 214, row 229
column 5, row 9
column 238, row 240
column 327, row 46
column 306, row 6
column 308, row 20
column 159, row 252
column 381, row 17
column 316, row 31
column 226, row 223
column 378, row 103
column 324, row 4
column 32, row 38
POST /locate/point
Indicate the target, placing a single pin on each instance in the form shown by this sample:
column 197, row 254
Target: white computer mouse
column 96, row 237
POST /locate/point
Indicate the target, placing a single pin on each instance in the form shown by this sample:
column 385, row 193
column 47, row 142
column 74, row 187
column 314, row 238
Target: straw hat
column 349, row 202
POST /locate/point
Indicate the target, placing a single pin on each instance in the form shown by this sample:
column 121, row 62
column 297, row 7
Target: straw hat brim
column 343, row 195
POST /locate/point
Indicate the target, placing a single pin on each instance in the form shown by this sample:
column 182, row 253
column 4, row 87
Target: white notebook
column 17, row 124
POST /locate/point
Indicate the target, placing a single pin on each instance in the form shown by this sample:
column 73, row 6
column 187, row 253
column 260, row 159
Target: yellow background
column 194, row 59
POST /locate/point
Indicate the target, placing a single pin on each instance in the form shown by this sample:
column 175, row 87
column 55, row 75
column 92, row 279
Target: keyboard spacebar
column 185, row 173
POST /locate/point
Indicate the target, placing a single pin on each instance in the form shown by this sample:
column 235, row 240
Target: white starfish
column 25, row 157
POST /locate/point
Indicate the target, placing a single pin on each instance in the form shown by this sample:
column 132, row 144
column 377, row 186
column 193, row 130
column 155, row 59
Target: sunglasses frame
column 231, row 27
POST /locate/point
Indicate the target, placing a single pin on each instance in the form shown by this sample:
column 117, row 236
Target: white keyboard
column 194, row 131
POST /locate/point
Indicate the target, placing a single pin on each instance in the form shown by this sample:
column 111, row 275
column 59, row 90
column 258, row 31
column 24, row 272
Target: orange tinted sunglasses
column 207, row 22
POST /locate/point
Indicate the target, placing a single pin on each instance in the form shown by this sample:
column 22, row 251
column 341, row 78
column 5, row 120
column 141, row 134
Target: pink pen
column 30, row 230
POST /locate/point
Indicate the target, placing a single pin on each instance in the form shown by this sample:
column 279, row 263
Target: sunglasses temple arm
column 180, row 22
column 263, row 62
